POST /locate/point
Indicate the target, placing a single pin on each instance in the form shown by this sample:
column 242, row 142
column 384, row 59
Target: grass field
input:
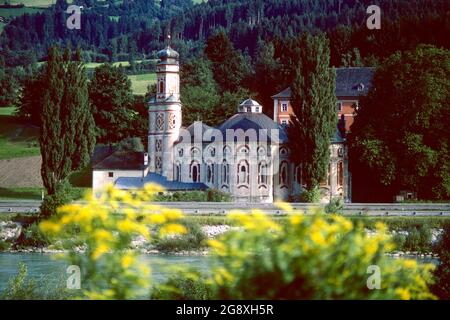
column 140, row 82
column 16, row 139
column 36, row 3
column 21, row 193
column 7, row 111
column 36, row 193
column 14, row 12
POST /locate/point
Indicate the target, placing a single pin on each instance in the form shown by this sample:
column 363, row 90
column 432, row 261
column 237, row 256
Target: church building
column 247, row 156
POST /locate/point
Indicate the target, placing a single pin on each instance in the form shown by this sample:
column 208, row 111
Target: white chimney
column 145, row 159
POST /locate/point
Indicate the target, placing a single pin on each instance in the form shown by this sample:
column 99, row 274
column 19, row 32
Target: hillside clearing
column 140, row 82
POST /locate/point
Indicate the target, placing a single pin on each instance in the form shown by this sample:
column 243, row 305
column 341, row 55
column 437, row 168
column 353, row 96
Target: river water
column 45, row 266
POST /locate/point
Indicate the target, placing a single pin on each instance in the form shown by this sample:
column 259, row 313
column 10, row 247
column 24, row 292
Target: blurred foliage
column 311, row 257
column 110, row 270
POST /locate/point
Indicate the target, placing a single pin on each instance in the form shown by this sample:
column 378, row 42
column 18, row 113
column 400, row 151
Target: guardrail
column 222, row 208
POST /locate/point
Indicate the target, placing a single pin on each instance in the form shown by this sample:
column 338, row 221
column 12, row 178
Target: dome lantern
column 250, row 106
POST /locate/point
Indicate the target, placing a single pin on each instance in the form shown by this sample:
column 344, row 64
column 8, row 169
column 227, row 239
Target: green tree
column 314, row 103
column 265, row 81
column 67, row 133
column 30, row 101
column 404, row 143
column 8, row 89
column 199, row 92
column 112, row 98
column 229, row 66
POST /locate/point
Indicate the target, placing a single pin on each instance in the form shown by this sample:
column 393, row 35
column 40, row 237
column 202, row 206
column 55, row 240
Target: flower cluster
column 98, row 233
column 313, row 256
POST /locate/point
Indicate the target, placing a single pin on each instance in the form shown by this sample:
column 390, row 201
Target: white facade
column 247, row 156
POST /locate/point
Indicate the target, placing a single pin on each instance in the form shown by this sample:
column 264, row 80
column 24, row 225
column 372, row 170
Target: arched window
column 177, row 174
column 283, row 175
column 262, row 173
column 225, row 173
column 210, row 173
column 298, row 174
column 243, row 174
column 340, row 173
column 195, row 171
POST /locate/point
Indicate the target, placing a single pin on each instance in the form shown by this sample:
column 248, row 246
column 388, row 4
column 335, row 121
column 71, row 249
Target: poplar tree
column 67, row 134
column 314, row 101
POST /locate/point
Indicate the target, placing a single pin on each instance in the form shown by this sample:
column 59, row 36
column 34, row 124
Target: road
column 221, row 208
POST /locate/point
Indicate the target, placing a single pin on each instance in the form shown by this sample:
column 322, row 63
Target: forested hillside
column 112, row 29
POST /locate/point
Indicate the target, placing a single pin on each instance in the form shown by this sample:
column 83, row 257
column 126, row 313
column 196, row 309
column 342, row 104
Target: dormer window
column 360, row 87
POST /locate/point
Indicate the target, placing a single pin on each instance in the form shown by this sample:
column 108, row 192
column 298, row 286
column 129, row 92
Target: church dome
column 255, row 121
column 168, row 53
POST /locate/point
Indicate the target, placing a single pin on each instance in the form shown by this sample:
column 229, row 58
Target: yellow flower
column 50, row 227
column 286, row 207
column 155, row 218
column 410, row 264
column 296, row 219
column 127, row 260
column 372, row 247
column 103, row 235
column 317, row 237
column 218, row 246
column 172, row 214
column 153, row 188
column 172, row 228
column 403, row 293
column 99, row 251
column 126, row 226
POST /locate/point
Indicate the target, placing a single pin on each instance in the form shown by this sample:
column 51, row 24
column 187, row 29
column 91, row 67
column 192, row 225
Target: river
column 44, row 266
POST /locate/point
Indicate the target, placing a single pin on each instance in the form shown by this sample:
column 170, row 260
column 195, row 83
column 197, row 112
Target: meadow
column 16, row 138
column 15, row 12
column 140, row 82
column 36, row 3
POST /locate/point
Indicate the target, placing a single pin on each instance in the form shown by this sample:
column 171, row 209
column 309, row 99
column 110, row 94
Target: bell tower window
column 161, row 87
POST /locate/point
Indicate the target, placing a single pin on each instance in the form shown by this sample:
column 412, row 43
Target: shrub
column 310, row 196
column 110, row 269
column 4, row 245
column 32, row 236
column 52, row 202
column 335, row 206
column 131, row 144
column 21, row 287
column 214, row 195
column 183, row 288
column 193, row 239
column 441, row 287
column 418, row 239
column 310, row 257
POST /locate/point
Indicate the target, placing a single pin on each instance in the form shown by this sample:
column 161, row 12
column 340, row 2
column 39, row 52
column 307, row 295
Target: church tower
column 165, row 114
